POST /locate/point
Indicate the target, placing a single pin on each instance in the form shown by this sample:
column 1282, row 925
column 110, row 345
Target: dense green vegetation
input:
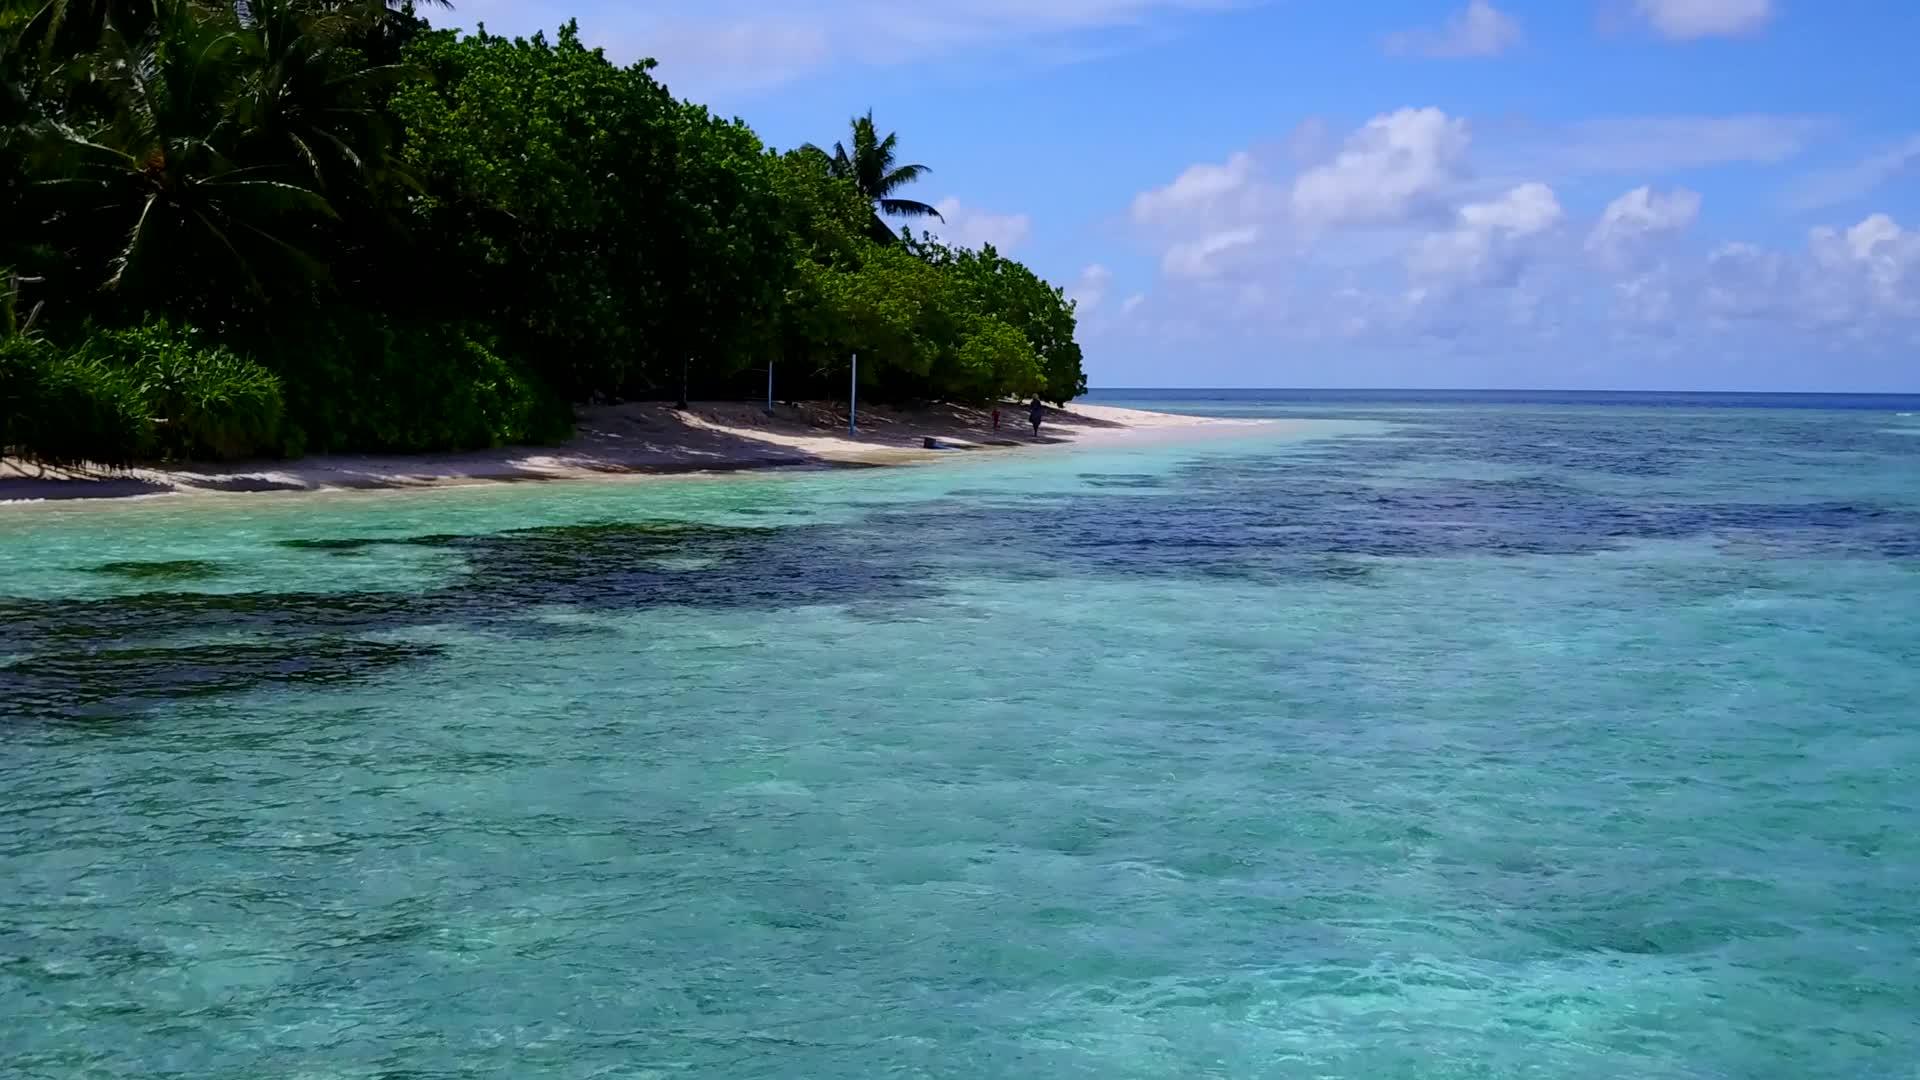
column 289, row 225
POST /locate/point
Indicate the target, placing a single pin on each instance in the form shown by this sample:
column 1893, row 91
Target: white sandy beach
column 639, row 438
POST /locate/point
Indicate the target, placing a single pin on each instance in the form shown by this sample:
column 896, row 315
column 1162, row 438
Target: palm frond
column 136, row 244
column 377, row 77
column 267, row 196
column 908, row 208
column 212, row 228
column 67, row 138
column 840, row 165
column 345, row 149
column 313, row 268
column 898, row 177
column 307, row 157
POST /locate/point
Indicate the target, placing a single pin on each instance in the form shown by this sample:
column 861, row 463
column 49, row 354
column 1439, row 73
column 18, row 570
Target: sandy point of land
column 638, row 437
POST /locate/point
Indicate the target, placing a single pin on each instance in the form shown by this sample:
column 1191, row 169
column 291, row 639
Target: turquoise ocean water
column 1460, row 736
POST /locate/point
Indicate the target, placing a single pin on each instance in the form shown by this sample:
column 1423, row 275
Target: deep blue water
column 1199, row 401
column 1449, row 736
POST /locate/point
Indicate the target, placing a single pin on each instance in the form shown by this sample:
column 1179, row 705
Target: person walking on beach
column 996, row 418
column 1035, row 413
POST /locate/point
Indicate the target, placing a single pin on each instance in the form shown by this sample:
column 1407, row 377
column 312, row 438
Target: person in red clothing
column 996, row 418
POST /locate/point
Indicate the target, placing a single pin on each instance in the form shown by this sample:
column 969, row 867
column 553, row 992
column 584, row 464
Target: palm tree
column 65, row 28
column 305, row 96
column 161, row 167
column 870, row 165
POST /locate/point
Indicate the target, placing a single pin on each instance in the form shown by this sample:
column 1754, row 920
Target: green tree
column 994, row 360
column 988, row 283
column 824, row 220
column 824, row 216
column 625, row 233
column 889, row 309
column 734, row 256
column 547, row 173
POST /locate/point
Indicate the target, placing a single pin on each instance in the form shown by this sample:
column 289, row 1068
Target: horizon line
column 1492, row 390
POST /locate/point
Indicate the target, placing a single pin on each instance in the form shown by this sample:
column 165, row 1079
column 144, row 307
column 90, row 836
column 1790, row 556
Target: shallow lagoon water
column 1479, row 738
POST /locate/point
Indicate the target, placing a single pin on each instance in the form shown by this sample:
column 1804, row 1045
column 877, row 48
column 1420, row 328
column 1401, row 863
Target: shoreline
column 637, row 439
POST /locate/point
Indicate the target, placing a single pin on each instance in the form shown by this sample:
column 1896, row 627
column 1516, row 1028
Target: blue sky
column 1663, row 194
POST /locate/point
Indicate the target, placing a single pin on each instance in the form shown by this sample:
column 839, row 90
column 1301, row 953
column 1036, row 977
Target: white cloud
column 1858, row 285
column 1202, row 191
column 1387, row 171
column 1634, row 223
column 1875, row 237
column 1506, row 281
column 1202, row 258
column 746, row 55
column 1480, row 30
column 1090, row 289
column 1132, row 303
column 1665, row 143
column 972, row 227
column 1880, row 257
column 1523, row 211
column 1834, row 186
column 1485, row 244
column 1238, row 218
column 1456, row 253
column 1855, row 285
column 1685, row 20
column 1412, row 236
column 1411, row 168
column 1646, row 300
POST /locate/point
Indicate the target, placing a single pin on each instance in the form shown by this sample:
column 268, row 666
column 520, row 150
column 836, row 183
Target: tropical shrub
column 205, row 400
column 59, row 408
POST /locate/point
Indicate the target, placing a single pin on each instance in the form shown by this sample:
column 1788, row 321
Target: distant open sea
column 1460, row 734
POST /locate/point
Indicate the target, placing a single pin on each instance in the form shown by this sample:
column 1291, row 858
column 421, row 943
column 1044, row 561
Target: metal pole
column 769, row 388
column 853, row 396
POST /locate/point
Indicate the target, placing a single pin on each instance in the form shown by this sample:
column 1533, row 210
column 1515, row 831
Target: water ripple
column 1513, row 744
